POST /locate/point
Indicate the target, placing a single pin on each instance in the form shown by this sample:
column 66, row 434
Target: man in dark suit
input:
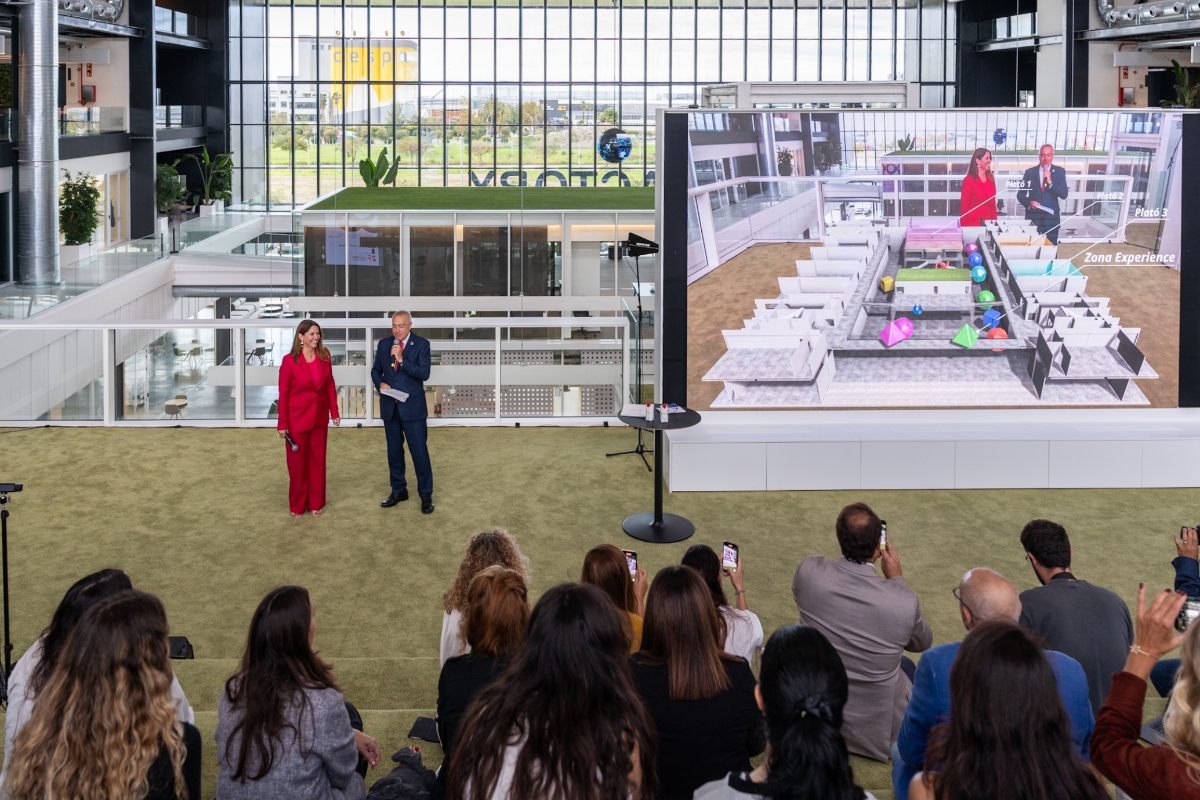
column 1045, row 185
column 402, row 364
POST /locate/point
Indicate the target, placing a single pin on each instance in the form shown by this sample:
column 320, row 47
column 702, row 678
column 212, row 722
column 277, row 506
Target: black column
column 216, row 102
column 672, row 237
column 1189, row 266
column 143, row 216
column 1075, row 53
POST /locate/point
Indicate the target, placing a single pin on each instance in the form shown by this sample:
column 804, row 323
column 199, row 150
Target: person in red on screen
column 978, row 200
column 307, row 400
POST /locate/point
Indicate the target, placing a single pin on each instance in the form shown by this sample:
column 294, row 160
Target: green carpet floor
column 199, row 517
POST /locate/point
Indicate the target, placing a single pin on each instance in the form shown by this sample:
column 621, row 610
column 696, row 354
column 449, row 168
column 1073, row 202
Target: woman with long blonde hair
column 105, row 727
column 307, row 400
column 493, row 547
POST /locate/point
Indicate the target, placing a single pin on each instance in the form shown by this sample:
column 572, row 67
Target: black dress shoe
column 426, row 504
column 395, row 497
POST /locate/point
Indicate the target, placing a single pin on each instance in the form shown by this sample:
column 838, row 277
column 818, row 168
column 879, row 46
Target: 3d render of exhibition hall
column 433, row 306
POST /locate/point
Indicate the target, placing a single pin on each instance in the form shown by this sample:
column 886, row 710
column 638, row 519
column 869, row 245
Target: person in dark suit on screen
column 1045, row 185
column 402, row 364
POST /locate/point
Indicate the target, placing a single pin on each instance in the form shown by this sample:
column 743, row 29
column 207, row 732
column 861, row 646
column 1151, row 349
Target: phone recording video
column 631, row 561
column 729, row 556
column 1187, row 614
column 883, row 534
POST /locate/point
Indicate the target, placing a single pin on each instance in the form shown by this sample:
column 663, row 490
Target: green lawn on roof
column 490, row 198
column 927, row 275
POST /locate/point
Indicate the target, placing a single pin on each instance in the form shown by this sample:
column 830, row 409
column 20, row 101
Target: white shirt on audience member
column 744, row 633
column 20, row 702
column 737, row 787
column 452, row 641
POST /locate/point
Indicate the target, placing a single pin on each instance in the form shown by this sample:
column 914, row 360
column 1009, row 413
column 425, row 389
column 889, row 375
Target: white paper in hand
column 394, row 393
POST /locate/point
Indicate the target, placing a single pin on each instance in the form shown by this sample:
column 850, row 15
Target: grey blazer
column 320, row 766
column 870, row 620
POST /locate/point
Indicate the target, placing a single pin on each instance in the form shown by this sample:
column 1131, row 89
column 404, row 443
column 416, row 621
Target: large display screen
column 911, row 259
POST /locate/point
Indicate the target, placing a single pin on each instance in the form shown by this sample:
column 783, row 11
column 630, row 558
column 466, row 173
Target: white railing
column 730, row 219
column 223, row 373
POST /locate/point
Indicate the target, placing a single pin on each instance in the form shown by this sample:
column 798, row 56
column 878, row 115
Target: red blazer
column 304, row 405
column 978, row 201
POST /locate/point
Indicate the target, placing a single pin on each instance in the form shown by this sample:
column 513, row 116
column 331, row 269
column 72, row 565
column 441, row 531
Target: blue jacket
column 1187, row 576
column 409, row 376
column 929, row 705
column 1047, row 198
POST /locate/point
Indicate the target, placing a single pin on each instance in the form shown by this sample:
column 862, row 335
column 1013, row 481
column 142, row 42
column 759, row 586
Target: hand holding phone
column 729, row 556
column 883, row 535
column 631, row 562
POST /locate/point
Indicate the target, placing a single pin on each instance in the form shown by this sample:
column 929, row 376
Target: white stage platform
column 743, row 451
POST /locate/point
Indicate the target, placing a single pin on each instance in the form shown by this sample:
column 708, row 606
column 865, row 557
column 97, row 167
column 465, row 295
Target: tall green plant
column 906, row 144
column 167, row 189
column 78, row 207
column 783, row 158
column 215, row 173
column 373, row 174
column 1186, row 95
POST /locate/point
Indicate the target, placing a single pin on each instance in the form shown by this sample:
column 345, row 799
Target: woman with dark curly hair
column 564, row 722
column 803, row 690
column 1008, row 737
column 494, row 547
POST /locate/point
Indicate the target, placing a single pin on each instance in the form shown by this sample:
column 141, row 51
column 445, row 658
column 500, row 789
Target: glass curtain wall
column 520, row 92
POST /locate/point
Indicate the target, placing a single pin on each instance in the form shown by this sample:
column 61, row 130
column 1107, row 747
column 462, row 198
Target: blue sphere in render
column 978, row 274
column 1000, row 137
column 614, row 145
column 974, row 259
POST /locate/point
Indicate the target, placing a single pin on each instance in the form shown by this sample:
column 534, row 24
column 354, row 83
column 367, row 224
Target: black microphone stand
column 641, row 449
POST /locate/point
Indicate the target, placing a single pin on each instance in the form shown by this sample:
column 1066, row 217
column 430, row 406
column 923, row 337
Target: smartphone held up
column 729, row 556
column 631, row 562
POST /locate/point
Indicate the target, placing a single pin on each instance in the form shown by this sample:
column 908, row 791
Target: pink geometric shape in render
column 896, row 331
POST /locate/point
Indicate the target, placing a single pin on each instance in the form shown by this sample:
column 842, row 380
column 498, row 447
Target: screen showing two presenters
column 875, row 259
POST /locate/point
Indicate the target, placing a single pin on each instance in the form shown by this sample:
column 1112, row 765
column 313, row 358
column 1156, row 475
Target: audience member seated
column 30, row 672
column 700, row 698
column 1086, row 622
column 870, row 621
column 743, row 631
column 983, row 596
column 605, row 568
column 105, row 726
column 495, row 547
column 497, row 614
column 802, row 693
column 1008, row 737
column 283, row 729
column 1167, row 770
column 1187, row 580
column 564, row 721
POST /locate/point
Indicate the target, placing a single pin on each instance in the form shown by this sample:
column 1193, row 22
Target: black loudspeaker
column 180, row 647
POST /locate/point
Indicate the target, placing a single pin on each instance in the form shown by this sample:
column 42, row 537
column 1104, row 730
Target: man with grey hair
column 983, row 595
column 401, row 368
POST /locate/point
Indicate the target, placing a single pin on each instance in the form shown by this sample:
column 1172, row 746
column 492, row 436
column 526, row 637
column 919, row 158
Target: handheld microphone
column 288, row 438
column 395, row 342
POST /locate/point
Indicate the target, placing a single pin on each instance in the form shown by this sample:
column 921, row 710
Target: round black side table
column 657, row 527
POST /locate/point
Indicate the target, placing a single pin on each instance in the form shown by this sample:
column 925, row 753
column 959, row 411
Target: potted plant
column 168, row 190
column 216, row 176
column 78, row 215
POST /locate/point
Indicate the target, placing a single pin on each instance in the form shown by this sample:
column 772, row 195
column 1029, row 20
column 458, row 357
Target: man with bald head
column 983, row 595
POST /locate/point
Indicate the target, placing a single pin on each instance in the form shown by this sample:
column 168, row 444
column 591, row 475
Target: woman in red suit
column 307, row 400
column 978, row 200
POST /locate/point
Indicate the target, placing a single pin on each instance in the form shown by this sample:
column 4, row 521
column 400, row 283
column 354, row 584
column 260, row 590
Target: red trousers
column 306, row 469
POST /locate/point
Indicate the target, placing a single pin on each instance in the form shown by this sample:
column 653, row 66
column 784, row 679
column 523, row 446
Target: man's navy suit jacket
column 409, row 376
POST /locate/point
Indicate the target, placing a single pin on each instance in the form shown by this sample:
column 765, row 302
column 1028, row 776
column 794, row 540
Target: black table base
column 672, row 528
column 657, row 527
